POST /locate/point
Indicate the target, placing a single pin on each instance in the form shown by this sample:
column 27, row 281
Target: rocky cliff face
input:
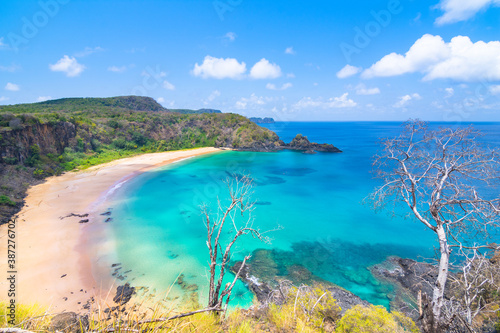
column 15, row 144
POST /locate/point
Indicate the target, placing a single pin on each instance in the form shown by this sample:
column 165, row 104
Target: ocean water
column 157, row 230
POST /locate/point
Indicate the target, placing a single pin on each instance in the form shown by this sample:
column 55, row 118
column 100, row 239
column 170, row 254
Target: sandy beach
column 51, row 267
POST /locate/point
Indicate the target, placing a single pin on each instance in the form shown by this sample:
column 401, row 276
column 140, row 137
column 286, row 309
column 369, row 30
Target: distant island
column 258, row 120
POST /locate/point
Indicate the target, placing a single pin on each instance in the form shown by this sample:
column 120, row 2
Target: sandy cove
column 51, row 265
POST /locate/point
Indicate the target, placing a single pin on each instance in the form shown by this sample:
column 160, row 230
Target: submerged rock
column 124, row 294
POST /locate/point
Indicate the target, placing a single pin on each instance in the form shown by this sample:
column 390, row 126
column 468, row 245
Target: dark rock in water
column 124, row 294
column 345, row 299
column 84, row 221
column 310, row 151
column 69, row 322
column 106, row 214
column 109, row 219
column 63, row 275
column 301, row 142
column 261, row 290
column 409, row 277
column 117, row 264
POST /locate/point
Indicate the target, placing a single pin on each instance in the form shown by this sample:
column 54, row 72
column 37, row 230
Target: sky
column 436, row 60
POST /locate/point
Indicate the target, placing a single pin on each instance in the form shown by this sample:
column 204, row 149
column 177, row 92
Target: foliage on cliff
column 43, row 139
column 307, row 310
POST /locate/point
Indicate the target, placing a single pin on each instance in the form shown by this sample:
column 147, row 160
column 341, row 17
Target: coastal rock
column 409, row 278
column 301, row 142
column 123, row 294
column 69, row 322
column 262, row 275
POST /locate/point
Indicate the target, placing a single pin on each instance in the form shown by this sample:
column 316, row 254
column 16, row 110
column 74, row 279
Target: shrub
column 5, row 200
column 374, row 319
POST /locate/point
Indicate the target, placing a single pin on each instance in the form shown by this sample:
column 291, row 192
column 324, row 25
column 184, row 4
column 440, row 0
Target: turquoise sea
column 157, row 231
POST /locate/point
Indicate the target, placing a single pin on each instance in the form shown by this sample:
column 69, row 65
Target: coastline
column 52, row 267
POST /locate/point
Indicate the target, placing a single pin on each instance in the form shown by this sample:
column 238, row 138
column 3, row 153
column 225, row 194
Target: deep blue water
column 158, row 231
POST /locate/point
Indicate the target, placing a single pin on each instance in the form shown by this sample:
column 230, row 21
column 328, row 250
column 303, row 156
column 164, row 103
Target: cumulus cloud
column 347, row 71
column 404, row 100
column 213, row 95
column 11, row 87
column 361, row 89
column 460, row 60
column 230, row 36
column 219, row 68
column 289, row 50
column 495, row 90
column 88, row 51
column 449, row 92
column 117, row 69
column 285, row 86
column 68, row 65
column 3, row 98
column 43, row 98
column 462, row 10
column 160, row 100
column 253, row 100
column 265, row 70
column 167, row 85
column 335, row 102
column 12, row 68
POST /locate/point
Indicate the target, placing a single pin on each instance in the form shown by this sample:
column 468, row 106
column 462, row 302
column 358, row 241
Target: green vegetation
column 304, row 309
column 374, row 319
column 189, row 111
column 44, row 139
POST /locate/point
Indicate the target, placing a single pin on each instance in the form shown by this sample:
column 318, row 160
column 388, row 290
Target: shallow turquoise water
column 158, row 230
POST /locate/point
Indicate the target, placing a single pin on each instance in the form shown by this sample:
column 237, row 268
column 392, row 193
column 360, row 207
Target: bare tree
column 233, row 221
column 477, row 280
column 437, row 175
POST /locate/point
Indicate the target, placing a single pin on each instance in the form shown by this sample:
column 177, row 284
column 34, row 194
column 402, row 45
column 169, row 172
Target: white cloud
column 88, row 51
column 12, row 68
column 11, row 87
column 219, row 68
column 68, row 65
column 462, row 10
column 213, row 95
column 449, row 92
column 43, row 98
column 290, row 50
column 117, row 69
column 459, row 60
column 160, row 100
column 3, row 98
column 347, row 71
column 253, row 100
column 362, row 90
column 167, row 85
column 265, row 70
column 285, row 86
column 231, row 36
column 404, row 100
column 495, row 90
column 335, row 102
column 290, row 75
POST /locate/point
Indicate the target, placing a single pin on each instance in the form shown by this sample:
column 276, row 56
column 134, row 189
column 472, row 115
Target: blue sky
column 291, row 60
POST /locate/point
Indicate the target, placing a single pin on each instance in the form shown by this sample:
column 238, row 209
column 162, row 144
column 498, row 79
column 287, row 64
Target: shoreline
column 53, row 269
